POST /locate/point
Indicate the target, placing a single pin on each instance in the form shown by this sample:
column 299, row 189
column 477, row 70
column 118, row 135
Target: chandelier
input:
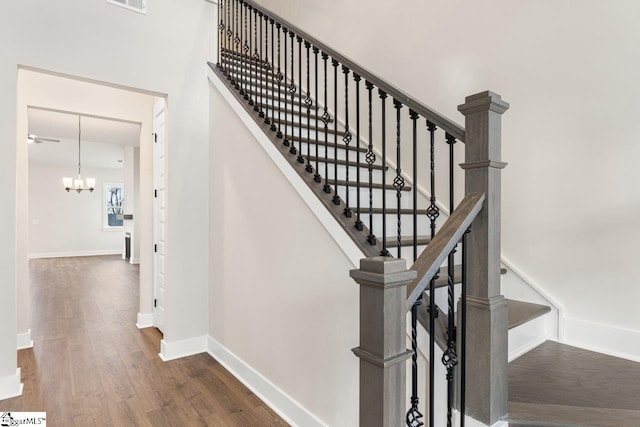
column 78, row 184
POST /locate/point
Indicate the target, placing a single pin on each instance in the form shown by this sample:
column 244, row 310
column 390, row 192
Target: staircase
column 346, row 134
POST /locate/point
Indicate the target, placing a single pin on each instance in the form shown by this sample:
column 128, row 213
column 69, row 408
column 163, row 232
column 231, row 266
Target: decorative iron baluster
column 383, row 97
column 260, row 71
column 433, row 212
column 346, row 138
column 414, row 118
column 325, row 119
column 274, row 79
column 414, row 416
column 292, row 92
column 245, row 87
column 463, row 331
column 221, row 28
column 229, row 36
column 449, row 357
column 316, row 177
column 398, row 181
column 451, row 140
column 285, row 142
column 370, row 157
column 238, row 28
column 308, row 102
column 300, row 158
column 248, row 60
column 279, row 78
column 358, row 224
column 268, row 76
column 336, row 198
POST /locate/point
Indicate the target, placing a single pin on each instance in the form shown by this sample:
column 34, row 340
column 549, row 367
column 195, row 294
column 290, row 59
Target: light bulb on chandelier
column 78, row 184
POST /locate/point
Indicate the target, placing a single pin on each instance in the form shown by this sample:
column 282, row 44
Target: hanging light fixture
column 78, row 184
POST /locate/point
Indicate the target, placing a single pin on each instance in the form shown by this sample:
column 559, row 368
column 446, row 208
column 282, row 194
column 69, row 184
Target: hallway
column 90, row 365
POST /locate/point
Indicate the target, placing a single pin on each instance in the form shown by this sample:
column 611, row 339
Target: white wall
column 570, row 193
column 280, row 297
column 68, row 224
column 131, row 203
column 164, row 52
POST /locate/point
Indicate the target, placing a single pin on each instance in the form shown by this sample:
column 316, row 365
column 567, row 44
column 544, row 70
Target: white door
column 159, row 212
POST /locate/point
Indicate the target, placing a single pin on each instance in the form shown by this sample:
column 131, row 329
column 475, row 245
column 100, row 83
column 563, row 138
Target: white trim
column 471, row 422
column 611, row 340
column 142, row 11
column 144, row 320
column 24, row 340
column 183, row 348
column 134, row 260
column 527, row 347
column 540, row 290
column 284, row 405
column 11, row 386
column 343, row 240
column 75, row 254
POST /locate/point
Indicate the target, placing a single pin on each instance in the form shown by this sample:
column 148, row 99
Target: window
column 139, row 6
column 112, row 208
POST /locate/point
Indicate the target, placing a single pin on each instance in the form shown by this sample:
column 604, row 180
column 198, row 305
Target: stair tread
column 566, row 385
column 343, row 162
column 330, row 144
column 394, row 211
column 363, row 185
column 298, row 125
column 521, row 312
column 392, row 242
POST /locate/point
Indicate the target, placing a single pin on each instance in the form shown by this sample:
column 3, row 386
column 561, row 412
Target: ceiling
column 103, row 139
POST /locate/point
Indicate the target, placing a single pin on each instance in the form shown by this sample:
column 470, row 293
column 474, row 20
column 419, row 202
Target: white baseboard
column 74, row 254
column 618, row 342
column 144, row 320
column 285, row 406
column 470, row 422
column 183, row 348
column 134, row 260
column 24, row 340
column 11, row 386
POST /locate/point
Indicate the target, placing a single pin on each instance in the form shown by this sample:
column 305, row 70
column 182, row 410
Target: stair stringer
column 335, row 230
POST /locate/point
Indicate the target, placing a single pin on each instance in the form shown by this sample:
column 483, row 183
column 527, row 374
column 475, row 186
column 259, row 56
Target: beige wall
column 571, row 199
column 280, row 295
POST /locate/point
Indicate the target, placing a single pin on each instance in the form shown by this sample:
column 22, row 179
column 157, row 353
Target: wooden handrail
column 439, row 120
column 429, row 262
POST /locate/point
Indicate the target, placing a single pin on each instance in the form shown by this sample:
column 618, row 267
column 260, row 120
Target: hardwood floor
column 91, row 366
column 559, row 385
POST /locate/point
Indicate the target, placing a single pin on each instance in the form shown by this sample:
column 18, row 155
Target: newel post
column 487, row 327
column 383, row 293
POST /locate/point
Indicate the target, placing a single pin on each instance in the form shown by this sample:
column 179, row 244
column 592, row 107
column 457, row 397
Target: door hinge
column 155, row 193
column 155, row 303
column 155, row 248
column 155, row 137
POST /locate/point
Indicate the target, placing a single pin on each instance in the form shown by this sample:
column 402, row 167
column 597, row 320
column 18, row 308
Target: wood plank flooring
column 560, row 385
column 91, row 366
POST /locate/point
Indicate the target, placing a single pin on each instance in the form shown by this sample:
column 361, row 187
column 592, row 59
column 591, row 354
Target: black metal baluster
column 414, row 416
column 268, row 77
column 383, row 97
column 221, row 31
column 432, row 214
column 242, row 56
column 308, row 102
column 300, row 158
column 346, row 138
column 248, row 59
column 279, row 78
column 358, row 224
column 292, row 92
column 463, row 331
column 398, row 181
column 336, row 198
column 254, row 60
column 414, row 117
column 316, row 177
column 325, row 119
column 274, row 78
column 370, row 158
column 285, row 142
column 450, row 358
column 260, row 74
column 228, row 40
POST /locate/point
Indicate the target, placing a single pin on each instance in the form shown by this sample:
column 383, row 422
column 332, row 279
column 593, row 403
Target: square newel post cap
column 482, row 102
column 383, row 272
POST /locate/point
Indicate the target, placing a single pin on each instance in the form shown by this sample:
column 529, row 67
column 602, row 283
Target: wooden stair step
column 344, row 163
column 392, row 242
column 394, row 211
column 330, row 145
column 303, row 126
column 287, row 109
column 364, row 186
column 521, row 312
